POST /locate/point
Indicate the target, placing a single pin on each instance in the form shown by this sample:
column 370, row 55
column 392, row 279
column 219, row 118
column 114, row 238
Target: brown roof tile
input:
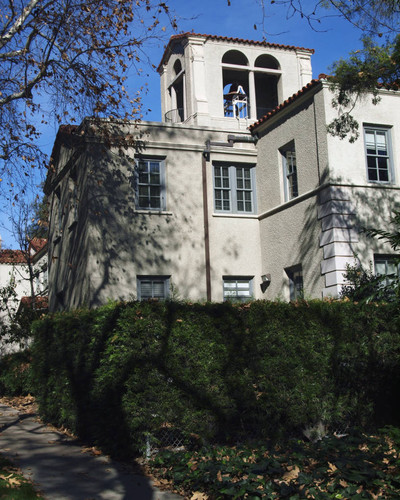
column 38, row 244
column 41, row 303
column 12, row 257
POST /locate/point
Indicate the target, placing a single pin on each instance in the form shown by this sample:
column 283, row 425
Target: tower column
column 252, row 91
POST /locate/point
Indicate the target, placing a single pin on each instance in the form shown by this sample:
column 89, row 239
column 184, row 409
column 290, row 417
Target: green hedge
column 15, row 374
column 221, row 372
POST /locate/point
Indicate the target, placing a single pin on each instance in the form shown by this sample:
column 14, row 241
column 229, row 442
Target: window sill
column 235, row 216
column 380, row 183
column 153, row 212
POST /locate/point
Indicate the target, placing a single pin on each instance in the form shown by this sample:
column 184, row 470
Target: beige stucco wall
column 323, row 231
column 15, row 274
column 100, row 256
column 290, row 230
column 347, row 161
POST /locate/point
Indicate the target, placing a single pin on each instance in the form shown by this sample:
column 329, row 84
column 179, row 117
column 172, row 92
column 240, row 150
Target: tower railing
column 236, row 106
column 174, row 116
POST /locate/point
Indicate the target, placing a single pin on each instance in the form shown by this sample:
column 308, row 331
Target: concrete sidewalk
column 60, row 468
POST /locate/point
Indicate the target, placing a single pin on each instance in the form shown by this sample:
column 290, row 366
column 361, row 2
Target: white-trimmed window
column 152, row 287
column 150, row 184
column 234, row 188
column 377, row 150
column 296, row 287
column 238, row 288
column 386, row 266
column 289, row 171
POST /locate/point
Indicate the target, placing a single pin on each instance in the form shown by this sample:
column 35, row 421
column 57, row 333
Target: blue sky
column 331, row 39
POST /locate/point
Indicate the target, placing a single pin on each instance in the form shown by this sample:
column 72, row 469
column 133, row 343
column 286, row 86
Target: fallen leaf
column 291, row 474
column 14, row 481
column 332, row 468
column 198, row 495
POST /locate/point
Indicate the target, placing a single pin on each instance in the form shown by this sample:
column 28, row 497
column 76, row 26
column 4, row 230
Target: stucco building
column 25, row 272
column 239, row 192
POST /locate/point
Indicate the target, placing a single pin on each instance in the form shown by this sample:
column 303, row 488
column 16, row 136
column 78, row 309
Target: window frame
column 387, row 259
column 161, row 185
column 290, row 179
column 233, row 188
column 249, row 279
column 389, row 156
column 153, row 278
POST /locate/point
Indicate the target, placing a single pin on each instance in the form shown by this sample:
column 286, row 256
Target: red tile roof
column 288, row 101
column 243, row 41
column 12, row 257
column 8, row 256
column 38, row 244
column 40, row 302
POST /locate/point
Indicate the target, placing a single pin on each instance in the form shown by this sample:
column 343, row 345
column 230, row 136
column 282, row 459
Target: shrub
column 15, row 374
column 221, row 372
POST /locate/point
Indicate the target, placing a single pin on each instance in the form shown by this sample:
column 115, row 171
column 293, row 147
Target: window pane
column 158, row 289
column 376, row 142
column 237, row 290
column 142, row 166
column 233, row 189
column 146, row 290
column 152, row 288
column 155, row 203
column 155, row 179
column 381, row 143
column 143, row 177
column 290, row 173
column 149, row 184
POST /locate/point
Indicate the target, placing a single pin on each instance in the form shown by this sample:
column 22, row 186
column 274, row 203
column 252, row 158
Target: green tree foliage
column 376, row 65
column 365, row 286
column 366, row 71
column 362, row 285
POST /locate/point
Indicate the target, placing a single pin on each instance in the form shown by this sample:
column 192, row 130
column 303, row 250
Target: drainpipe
column 206, row 157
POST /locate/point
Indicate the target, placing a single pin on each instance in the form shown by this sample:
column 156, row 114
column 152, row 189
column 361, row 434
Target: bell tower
column 228, row 83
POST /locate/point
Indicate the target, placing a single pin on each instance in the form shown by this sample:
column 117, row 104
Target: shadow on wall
column 112, row 243
column 354, row 210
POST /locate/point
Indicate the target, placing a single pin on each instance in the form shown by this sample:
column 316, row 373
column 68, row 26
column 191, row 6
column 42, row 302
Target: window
column 387, row 266
column 238, row 289
column 150, row 190
column 377, row 146
column 296, row 289
column 234, row 189
column 152, row 287
column 289, row 172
